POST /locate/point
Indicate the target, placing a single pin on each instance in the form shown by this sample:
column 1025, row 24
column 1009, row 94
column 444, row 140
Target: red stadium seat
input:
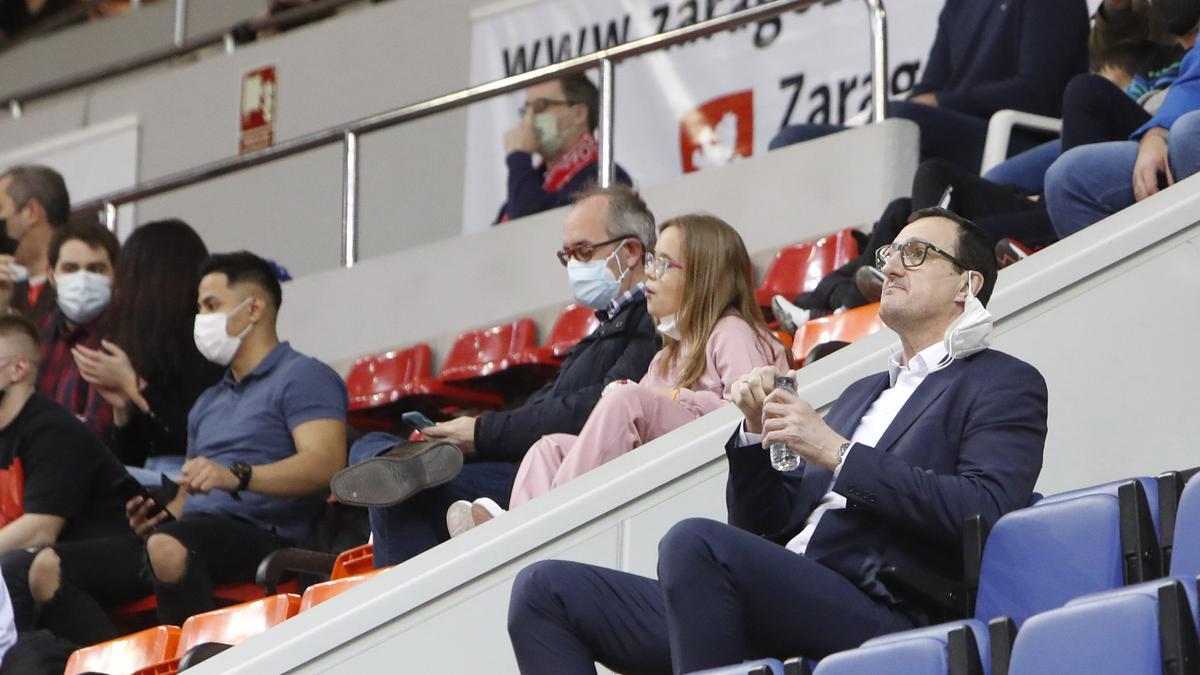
column 848, row 326
column 796, row 269
column 126, row 654
column 479, row 354
column 135, row 613
column 353, row 562
column 318, row 593
column 382, row 386
column 574, row 323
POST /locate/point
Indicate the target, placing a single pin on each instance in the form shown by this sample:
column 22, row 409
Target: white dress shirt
column 905, row 378
column 8, row 631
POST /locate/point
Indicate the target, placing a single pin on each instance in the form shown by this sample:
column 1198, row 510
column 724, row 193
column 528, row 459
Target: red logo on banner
column 717, row 132
column 258, row 110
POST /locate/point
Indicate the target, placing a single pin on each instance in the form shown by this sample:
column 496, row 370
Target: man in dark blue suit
column 886, row 478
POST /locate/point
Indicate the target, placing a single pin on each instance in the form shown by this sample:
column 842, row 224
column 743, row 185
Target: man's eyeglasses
column 540, row 105
column 656, row 267
column 584, row 252
column 912, row 254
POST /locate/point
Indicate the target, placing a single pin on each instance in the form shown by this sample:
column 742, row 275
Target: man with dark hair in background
column 557, row 121
column 262, row 446
column 81, row 263
column 34, row 202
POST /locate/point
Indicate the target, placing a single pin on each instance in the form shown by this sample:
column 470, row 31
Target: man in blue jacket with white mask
column 605, row 238
column 952, row 429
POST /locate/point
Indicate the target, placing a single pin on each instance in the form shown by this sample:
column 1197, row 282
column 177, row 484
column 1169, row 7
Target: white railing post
column 181, row 8
column 350, row 200
column 880, row 75
column 607, row 96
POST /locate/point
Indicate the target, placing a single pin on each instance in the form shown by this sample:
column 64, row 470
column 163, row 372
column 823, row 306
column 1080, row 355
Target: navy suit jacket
column 989, row 55
column 968, row 441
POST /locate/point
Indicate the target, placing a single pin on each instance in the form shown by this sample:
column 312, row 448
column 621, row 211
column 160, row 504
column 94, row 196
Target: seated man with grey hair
column 34, row 204
column 409, row 488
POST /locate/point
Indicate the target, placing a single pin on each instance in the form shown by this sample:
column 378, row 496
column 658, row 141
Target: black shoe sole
column 386, row 481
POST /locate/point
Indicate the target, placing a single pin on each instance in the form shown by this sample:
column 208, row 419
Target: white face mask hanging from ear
column 971, row 332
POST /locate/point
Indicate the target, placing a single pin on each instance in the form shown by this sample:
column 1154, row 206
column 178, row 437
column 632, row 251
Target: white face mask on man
column 212, row 337
column 971, row 332
column 83, row 295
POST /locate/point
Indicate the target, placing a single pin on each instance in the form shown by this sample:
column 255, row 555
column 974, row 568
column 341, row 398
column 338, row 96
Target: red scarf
column 585, row 152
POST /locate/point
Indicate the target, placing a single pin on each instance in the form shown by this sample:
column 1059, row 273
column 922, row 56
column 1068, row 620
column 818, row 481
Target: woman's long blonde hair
column 718, row 282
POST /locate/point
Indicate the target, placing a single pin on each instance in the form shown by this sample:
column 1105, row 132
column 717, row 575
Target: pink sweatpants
column 622, row 420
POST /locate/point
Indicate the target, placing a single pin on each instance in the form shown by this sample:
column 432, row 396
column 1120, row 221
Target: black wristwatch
column 243, row 472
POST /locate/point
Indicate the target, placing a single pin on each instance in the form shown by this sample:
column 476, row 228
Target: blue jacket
column 526, row 196
column 1183, row 96
column 968, row 441
column 990, row 55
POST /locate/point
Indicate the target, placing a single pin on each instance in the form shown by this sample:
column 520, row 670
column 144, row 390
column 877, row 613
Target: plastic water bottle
column 784, row 458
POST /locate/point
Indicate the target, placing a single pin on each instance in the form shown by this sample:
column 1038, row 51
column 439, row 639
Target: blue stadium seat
column 1185, row 558
column 1145, row 629
column 958, row 650
column 1035, row 559
column 759, row 667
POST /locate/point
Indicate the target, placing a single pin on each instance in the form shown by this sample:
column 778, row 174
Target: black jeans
column 101, row 573
column 1097, row 111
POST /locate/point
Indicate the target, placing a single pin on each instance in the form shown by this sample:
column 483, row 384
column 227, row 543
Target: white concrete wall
column 1108, row 316
column 430, row 292
column 84, row 47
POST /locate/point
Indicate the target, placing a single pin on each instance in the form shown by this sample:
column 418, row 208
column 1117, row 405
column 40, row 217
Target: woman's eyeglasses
column 657, row 266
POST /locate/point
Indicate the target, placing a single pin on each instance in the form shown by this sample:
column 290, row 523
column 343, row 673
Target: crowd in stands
column 158, row 439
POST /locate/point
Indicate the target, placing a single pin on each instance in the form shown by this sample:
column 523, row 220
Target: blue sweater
column 1183, row 96
column 990, row 55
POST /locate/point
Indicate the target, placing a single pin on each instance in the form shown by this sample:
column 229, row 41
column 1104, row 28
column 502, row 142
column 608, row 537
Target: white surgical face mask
column 83, row 295
column 971, row 332
column 593, row 283
column 213, row 340
column 549, row 137
column 669, row 326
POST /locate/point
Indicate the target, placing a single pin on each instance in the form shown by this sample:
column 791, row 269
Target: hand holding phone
column 144, row 512
column 416, row 420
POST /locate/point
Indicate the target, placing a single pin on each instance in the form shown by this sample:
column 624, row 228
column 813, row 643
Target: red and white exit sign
column 257, row 110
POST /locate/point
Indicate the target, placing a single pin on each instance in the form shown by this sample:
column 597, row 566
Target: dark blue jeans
column 417, row 525
column 945, row 134
column 723, row 595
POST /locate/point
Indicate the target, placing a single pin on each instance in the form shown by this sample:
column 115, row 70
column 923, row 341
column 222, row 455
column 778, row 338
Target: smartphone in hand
column 128, row 487
column 416, row 420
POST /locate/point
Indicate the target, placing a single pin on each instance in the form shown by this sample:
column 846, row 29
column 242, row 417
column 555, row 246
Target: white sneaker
column 484, row 509
column 458, row 517
column 790, row 317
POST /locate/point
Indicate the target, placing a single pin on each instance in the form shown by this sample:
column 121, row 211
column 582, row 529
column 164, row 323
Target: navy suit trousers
column 724, row 595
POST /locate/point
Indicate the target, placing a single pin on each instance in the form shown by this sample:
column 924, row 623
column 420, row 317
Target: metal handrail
column 348, row 133
column 181, row 46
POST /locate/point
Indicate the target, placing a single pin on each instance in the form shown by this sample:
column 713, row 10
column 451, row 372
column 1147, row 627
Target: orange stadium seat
column 848, row 326
column 381, row 386
column 797, row 268
column 126, row 654
column 353, row 561
column 318, row 593
column 228, row 625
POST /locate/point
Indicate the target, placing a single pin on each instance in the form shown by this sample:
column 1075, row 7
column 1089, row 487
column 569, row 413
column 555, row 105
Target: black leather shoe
column 398, row 474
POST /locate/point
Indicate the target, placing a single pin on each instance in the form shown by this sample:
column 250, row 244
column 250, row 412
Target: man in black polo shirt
column 56, row 477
